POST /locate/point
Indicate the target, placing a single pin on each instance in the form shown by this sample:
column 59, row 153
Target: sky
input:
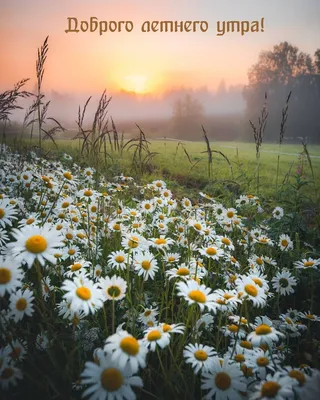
column 151, row 62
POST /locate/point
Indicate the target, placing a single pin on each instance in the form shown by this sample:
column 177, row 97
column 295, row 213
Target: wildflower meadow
column 117, row 290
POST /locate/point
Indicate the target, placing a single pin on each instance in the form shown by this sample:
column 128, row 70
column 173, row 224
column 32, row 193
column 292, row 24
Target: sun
column 135, row 83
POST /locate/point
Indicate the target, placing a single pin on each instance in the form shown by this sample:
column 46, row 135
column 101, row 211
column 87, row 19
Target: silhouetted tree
column 276, row 73
column 187, row 117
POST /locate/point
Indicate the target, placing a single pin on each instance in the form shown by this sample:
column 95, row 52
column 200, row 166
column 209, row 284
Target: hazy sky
column 85, row 62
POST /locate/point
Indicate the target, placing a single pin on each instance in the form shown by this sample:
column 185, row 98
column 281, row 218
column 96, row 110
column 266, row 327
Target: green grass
column 172, row 164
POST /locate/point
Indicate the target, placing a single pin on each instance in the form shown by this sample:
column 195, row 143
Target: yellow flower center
column 160, row 241
column 29, row 221
column 147, row 206
column 84, row 293
column 69, row 236
column 233, row 328
column 263, row 240
column 153, row 336
column 114, row 291
column 146, row 265
column 5, row 275
column 251, row 290
column 263, row 329
column 211, row 251
column 257, row 281
column 310, row 316
column 88, row 193
column 76, row 267
column 197, row 226
column 133, row 242
column 239, row 357
column 36, row 244
column 2, row 213
column 246, row 344
column 308, row 263
column 150, row 323
column 116, row 227
column 284, row 242
column 183, row 271
column 222, row 381
column 71, row 252
column 226, row 241
column 259, row 261
column 166, row 328
column 230, row 214
column 111, row 379
column 21, row 304
column 80, row 235
column 68, row 175
column 298, row 375
column 119, row 259
column 270, row 389
column 262, row 361
column 200, row 355
column 198, row 296
column 147, row 313
column 171, row 259
column 65, row 204
column 130, row 345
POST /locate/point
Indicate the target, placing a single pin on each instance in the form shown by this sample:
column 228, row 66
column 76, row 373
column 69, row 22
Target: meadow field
column 185, row 166
column 149, row 272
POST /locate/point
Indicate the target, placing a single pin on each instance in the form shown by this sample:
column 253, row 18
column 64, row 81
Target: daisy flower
column 186, row 203
column 262, row 361
column 117, row 260
column 276, row 387
column 179, row 272
column 113, row 288
column 249, row 290
column 311, row 317
column 46, row 287
column 161, row 242
column 212, row 252
column 283, row 283
column 21, row 304
column 146, row 265
column 224, row 380
column 285, row 243
column 156, row 336
column 148, row 314
column 277, row 213
column 3, row 237
column 172, row 328
column 171, row 258
column 10, row 376
column 17, row 350
column 7, row 213
column 200, row 357
column 134, row 242
column 263, row 332
column 147, row 206
column 198, row 294
column 34, row 243
column 126, row 349
column 42, row 341
column 10, row 276
column 307, row 263
column 83, row 294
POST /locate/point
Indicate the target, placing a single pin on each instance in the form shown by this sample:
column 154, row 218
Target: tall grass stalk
column 258, row 133
column 284, row 117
